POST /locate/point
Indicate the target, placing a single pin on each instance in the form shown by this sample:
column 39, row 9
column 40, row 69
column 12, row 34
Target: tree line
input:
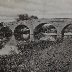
column 26, row 17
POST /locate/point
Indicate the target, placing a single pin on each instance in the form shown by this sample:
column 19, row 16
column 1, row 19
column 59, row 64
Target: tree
column 23, row 17
column 34, row 17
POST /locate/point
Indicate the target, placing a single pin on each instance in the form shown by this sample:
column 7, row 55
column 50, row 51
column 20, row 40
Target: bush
column 40, row 56
column 26, row 17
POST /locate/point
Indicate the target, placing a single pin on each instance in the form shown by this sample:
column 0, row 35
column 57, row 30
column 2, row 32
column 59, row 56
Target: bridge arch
column 67, row 31
column 5, row 35
column 5, row 32
column 22, row 33
column 45, row 31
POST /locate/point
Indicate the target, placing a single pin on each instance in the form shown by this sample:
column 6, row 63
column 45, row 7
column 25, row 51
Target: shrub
column 40, row 57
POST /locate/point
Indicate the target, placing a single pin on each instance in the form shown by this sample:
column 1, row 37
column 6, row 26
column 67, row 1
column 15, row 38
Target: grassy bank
column 39, row 57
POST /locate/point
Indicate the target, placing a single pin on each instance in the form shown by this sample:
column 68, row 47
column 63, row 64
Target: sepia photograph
column 35, row 35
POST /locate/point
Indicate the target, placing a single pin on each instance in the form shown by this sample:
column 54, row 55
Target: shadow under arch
column 22, row 33
column 5, row 35
column 67, row 31
column 45, row 30
column 5, row 32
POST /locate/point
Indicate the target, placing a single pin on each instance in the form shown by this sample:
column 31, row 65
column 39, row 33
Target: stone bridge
column 58, row 23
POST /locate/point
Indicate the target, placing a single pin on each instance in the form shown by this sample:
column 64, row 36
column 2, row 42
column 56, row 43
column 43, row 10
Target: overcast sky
column 41, row 8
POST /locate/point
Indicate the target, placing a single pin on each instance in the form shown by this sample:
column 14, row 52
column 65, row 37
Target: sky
column 40, row 8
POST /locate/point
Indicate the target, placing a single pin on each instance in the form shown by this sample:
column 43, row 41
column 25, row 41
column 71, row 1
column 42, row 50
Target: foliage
column 40, row 56
column 26, row 17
